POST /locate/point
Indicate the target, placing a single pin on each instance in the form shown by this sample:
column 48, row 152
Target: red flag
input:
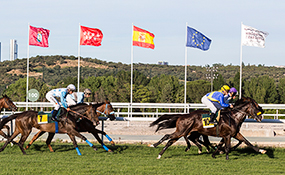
column 90, row 36
column 38, row 36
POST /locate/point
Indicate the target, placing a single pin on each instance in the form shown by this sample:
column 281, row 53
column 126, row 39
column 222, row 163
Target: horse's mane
column 96, row 105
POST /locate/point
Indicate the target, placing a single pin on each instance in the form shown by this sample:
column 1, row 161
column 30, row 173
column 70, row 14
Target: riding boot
column 213, row 118
column 53, row 117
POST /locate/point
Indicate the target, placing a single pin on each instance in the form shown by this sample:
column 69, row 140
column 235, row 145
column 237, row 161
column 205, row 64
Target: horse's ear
column 107, row 100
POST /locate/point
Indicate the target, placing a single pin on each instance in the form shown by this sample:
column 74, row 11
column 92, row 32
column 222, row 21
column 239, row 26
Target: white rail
column 148, row 109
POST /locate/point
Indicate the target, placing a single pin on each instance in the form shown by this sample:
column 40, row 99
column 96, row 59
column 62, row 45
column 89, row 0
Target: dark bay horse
column 25, row 121
column 84, row 125
column 6, row 102
column 229, row 124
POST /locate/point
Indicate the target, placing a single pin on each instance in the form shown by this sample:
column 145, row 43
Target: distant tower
column 13, row 50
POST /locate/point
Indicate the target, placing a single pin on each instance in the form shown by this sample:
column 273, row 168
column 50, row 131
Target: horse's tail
column 7, row 119
column 165, row 121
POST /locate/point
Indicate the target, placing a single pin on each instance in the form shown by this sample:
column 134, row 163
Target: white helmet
column 71, row 87
column 87, row 91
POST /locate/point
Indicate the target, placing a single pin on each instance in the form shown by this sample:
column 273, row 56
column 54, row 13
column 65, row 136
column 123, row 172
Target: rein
column 79, row 114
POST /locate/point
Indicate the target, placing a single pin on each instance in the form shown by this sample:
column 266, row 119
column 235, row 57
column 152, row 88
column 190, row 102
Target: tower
column 13, row 50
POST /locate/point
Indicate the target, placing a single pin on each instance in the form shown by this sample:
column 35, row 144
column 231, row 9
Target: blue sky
column 219, row 20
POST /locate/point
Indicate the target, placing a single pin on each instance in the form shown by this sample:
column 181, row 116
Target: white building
column 13, row 50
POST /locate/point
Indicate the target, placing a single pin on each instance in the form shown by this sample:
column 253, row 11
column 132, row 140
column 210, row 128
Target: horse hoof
column 221, row 152
column 262, row 151
column 110, row 151
column 186, row 149
column 95, row 148
column 199, row 152
column 208, row 151
column 158, row 157
column 150, row 145
column 112, row 143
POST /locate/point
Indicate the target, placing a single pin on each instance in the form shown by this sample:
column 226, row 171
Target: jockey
column 215, row 101
column 77, row 97
column 61, row 93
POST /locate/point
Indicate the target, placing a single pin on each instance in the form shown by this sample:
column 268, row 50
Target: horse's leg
column 77, row 134
column 194, row 137
column 219, row 146
column 206, row 143
column 227, row 146
column 165, row 137
column 169, row 143
column 101, row 142
column 72, row 137
column 8, row 130
column 49, row 139
column 23, row 138
column 240, row 137
column 40, row 133
column 16, row 132
column 237, row 145
column 188, row 144
column 107, row 136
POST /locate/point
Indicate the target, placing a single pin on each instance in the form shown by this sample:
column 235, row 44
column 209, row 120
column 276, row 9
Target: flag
column 142, row 38
column 90, row 36
column 38, row 36
column 252, row 37
column 197, row 40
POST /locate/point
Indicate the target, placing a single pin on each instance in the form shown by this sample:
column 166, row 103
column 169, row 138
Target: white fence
column 129, row 110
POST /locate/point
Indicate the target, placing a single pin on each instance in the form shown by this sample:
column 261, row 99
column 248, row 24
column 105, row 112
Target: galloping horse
column 229, row 124
column 6, row 102
column 84, row 125
column 25, row 121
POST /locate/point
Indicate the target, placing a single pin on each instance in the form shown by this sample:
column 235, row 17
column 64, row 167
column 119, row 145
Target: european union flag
column 197, row 40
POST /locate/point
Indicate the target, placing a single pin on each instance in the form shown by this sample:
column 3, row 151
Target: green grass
column 136, row 159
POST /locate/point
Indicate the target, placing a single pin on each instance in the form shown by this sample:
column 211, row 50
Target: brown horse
column 84, row 125
column 229, row 124
column 6, row 102
column 25, row 121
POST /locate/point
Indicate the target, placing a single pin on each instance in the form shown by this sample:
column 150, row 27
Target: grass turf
column 136, row 159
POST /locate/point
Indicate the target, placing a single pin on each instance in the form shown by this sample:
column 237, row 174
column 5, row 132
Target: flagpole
column 78, row 78
column 132, row 59
column 28, row 50
column 185, row 80
column 240, row 76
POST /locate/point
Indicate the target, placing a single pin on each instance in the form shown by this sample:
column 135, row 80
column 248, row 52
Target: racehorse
column 25, row 121
column 84, row 125
column 229, row 124
column 6, row 102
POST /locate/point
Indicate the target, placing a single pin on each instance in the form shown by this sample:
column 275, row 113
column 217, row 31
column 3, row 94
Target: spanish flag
column 142, row 38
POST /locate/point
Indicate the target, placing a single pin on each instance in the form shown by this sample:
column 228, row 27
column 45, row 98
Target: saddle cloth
column 44, row 118
column 206, row 120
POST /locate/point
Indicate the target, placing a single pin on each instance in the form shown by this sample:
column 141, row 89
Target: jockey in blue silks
column 60, row 93
column 215, row 101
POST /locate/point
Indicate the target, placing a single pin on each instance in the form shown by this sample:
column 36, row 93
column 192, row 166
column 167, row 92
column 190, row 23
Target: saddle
column 206, row 120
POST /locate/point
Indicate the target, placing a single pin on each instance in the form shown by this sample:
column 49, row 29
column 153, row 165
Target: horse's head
column 253, row 109
column 8, row 104
column 105, row 109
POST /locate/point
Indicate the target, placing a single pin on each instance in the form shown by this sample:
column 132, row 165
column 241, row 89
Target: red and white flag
column 38, row 36
column 90, row 36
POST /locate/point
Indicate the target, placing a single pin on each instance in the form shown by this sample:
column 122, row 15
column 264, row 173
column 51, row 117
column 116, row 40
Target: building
column 13, row 50
column 163, row 63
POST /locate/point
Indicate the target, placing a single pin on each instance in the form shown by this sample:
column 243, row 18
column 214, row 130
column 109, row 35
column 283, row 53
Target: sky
column 219, row 20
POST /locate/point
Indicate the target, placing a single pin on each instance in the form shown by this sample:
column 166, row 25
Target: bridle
column 9, row 104
column 104, row 112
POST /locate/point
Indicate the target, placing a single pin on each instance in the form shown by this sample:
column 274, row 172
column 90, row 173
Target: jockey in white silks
column 77, row 97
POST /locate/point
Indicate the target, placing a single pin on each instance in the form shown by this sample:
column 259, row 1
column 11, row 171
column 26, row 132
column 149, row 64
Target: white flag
column 252, row 37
